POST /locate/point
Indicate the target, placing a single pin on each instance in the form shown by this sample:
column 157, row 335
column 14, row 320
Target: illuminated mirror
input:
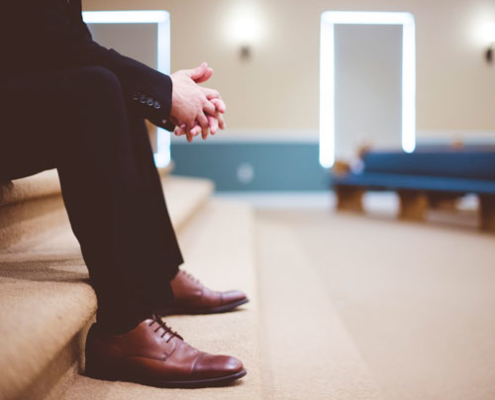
column 367, row 81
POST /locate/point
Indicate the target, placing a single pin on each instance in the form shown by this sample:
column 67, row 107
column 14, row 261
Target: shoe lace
column 190, row 276
column 166, row 329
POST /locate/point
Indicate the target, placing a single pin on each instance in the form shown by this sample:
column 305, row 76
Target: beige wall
column 278, row 88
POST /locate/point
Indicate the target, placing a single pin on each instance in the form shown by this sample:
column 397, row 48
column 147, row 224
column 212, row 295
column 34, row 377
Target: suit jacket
column 39, row 36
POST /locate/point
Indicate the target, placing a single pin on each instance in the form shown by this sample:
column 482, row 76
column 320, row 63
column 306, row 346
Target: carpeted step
column 32, row 205
column 45, row 299
column 219, row 249
column 307, row 352
column 185, row 197
column 29, row 206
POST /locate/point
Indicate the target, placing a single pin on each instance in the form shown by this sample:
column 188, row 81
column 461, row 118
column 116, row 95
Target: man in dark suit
column 70, row 104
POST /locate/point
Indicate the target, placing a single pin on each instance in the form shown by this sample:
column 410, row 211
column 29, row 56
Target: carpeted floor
column 417, row 299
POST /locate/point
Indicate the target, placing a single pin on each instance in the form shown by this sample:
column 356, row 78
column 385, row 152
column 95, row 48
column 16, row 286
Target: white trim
column 256, row 136
column 445, row 136
column 323, row 199
column 327, row 75
column 162, row 19
column 126, row 17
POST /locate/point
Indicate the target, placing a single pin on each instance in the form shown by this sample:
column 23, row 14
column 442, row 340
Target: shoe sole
column 189, row 384
column 197, row 311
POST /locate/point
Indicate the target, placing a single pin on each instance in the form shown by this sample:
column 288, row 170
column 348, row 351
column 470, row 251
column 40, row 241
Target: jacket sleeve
column 148, row 91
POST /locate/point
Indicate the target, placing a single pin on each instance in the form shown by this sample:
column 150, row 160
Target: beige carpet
column 418, row 299
column 218, row 247
column 307, row 352
column 44, row 295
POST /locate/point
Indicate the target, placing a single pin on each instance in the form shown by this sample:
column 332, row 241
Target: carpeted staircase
column 291, row 341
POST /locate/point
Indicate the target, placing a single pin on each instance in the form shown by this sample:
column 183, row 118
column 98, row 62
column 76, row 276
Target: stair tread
column 43, row 284
column 33, row 205
column 305, row 346
column 221, row 253
column 185, row 196
column 44, row 184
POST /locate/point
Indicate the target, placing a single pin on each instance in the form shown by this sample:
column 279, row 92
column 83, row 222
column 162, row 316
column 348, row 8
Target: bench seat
column 382, row 181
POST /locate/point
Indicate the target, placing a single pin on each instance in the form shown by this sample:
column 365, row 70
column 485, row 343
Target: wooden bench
column 423, row 180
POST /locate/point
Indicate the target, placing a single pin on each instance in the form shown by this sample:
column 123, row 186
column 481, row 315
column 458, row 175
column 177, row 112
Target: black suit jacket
column 38, row 36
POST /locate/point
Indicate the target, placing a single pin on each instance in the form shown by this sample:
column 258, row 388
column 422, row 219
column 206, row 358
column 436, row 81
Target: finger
column 219, row 105
column 213, row 124
column 198, row 72
column 196, row 130
column 189, row 124
column 180, row 130
column 189, row 136
column 211, row 93
column 209, row 108
column 203, row 122
column 207, row 75
column 221, row 121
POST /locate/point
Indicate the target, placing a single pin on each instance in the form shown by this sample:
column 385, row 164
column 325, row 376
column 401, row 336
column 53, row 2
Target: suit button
column 157, row 105
column 143, row 98
column 135, row 95
column 150, row 101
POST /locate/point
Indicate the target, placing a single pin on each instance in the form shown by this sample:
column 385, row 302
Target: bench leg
column 413, row 205
column 487, row 213
column 349, row 198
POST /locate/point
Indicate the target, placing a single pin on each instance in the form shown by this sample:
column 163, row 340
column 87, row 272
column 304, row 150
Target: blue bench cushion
column 408, row 182
column 465, row 164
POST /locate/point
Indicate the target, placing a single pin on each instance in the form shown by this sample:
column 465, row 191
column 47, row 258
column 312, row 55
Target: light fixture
column 162, row 19
column 489, row 34
column 244, row 27
column 327, row 75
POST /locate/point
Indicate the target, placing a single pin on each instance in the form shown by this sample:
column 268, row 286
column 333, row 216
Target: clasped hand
column 195, row 109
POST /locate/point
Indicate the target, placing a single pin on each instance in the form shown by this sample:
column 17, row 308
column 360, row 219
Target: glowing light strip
column 162, row 19
column 125, row 17
column 327, row 75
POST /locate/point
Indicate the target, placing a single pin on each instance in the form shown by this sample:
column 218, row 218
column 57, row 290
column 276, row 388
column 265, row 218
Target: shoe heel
column 98, row 369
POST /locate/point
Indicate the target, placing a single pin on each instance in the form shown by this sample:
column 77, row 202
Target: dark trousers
column 78, row 122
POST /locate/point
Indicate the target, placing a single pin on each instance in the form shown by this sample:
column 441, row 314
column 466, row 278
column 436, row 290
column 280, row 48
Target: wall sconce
column 245, row 52
column 489, row 33
column 245, row 32
column 245, row 28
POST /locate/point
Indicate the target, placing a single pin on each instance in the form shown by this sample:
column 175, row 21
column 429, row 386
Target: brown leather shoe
column 192, row 297
column 152, row 354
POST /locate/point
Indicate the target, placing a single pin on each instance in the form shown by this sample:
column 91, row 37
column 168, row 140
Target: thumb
column 198, row 72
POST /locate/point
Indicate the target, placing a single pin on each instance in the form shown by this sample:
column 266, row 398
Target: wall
column 273, row 98
column 455, row 85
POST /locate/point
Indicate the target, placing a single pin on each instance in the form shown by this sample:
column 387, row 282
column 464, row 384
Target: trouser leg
column 110, row 187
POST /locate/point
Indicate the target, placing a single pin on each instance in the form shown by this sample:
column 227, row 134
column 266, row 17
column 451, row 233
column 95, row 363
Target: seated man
column 70, row 104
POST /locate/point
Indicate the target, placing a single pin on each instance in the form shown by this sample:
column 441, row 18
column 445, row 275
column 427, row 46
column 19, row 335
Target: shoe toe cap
column 233, row 296
column 215, row 366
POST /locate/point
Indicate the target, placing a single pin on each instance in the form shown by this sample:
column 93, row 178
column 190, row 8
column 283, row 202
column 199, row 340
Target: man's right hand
column 190, row 102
